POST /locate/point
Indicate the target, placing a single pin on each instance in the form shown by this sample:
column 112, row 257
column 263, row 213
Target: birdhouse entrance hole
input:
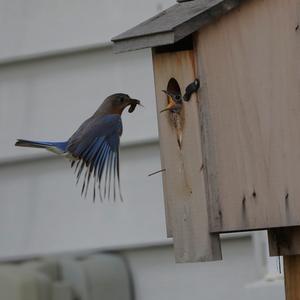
column 173, row 87
column 176, row 116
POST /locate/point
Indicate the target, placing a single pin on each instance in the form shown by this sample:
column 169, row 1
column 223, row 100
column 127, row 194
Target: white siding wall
column 36, row 27
column 158, row 277
column 42, row 211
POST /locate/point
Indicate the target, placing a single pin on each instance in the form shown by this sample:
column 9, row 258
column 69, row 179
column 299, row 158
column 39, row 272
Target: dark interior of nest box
column 182, row 45
column 173, row 87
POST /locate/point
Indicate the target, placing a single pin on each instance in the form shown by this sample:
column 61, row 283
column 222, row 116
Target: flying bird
column 94, row 147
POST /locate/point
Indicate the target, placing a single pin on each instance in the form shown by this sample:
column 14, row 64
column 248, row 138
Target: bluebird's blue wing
column 95, row 148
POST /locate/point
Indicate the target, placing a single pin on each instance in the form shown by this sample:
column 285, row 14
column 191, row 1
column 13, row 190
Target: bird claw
column 190, row 89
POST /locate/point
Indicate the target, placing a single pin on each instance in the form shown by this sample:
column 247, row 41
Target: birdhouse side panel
column 181, row 157
column 249, row 62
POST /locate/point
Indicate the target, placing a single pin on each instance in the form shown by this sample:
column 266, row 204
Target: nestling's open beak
column 133, row 104
column 171, row 103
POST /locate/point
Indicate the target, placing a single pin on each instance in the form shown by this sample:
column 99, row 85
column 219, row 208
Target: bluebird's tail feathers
column 56, row 147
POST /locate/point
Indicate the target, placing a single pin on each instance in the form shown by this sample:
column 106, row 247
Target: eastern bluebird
column 95, row 145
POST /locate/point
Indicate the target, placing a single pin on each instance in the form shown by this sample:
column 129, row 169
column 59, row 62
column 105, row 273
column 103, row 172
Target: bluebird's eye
column 121, row 99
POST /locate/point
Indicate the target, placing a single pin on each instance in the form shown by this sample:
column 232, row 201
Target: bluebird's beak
column 133, row 104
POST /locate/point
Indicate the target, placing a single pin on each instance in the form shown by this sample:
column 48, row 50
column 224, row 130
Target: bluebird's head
column 116, row 103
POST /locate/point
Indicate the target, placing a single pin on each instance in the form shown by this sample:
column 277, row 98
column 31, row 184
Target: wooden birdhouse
column 231, row 147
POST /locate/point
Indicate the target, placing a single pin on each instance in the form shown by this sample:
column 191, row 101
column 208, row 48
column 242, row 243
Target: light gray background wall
column 56, row 66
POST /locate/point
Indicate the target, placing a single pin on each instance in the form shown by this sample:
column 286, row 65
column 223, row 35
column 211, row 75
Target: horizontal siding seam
column 53, row 53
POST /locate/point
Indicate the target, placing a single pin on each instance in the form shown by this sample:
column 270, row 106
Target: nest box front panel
column 249, row 64
column 181, row 156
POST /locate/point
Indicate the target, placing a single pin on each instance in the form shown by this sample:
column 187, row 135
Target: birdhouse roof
column 173, row 24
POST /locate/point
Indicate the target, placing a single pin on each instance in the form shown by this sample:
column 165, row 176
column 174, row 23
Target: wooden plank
column 284, row 241
column 292, row 277
column 175, row 23
column 184, row 190
column 250, row 72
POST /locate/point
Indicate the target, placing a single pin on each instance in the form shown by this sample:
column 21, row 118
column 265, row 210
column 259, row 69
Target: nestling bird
column 95, row 146
column 175, row 99
column 174, row 102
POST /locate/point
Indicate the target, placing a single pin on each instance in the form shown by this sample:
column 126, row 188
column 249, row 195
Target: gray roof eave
column 173, row 24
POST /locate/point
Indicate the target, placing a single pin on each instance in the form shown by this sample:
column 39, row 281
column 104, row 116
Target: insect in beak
column 133, row 104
